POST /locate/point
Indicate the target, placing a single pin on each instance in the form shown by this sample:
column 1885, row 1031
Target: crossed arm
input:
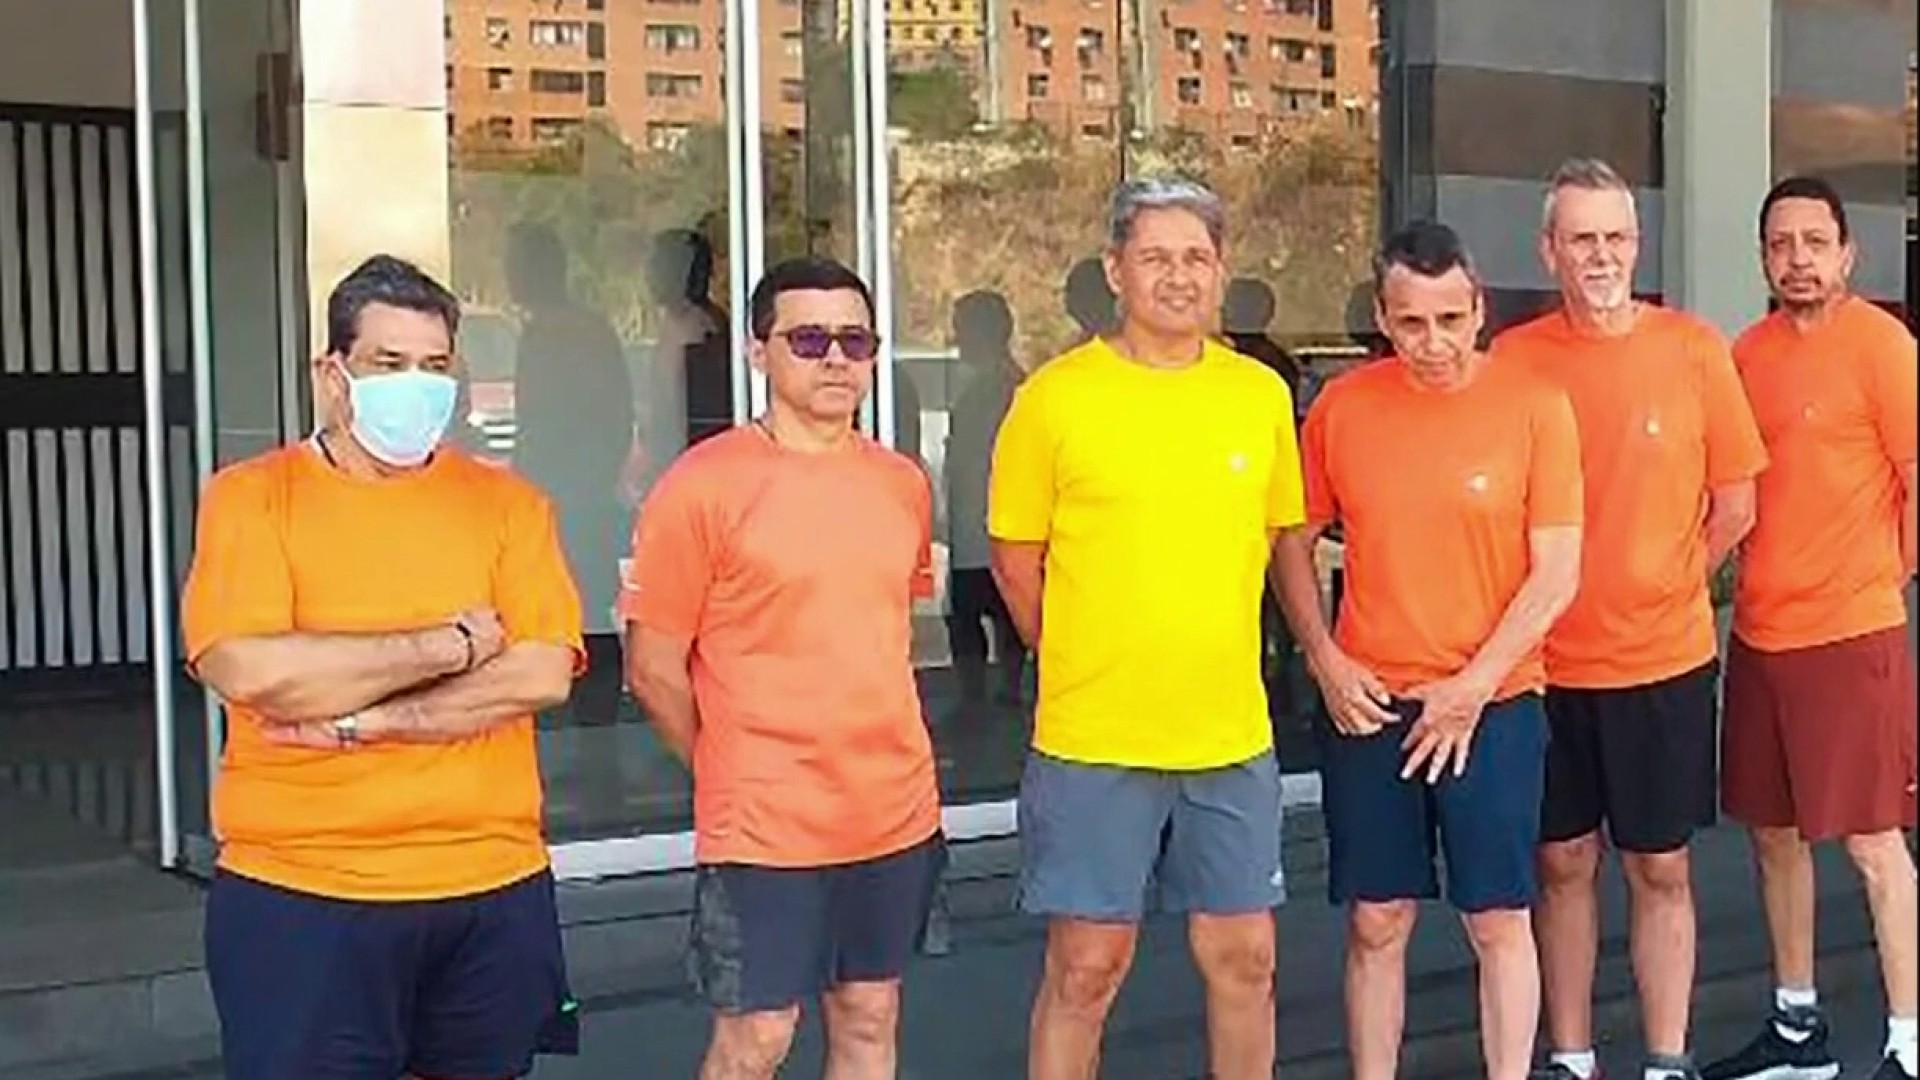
column 414, row 686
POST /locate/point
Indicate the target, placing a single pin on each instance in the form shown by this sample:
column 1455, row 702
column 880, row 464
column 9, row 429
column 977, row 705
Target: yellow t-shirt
column 1155, row 492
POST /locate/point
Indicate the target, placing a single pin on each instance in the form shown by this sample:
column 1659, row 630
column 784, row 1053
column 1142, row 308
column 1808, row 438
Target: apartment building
column 524, row 72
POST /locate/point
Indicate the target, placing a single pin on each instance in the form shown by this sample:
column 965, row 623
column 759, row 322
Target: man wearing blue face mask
column 382, row 616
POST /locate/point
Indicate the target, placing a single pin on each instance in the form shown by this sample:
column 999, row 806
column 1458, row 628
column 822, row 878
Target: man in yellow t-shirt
column 1137, row 483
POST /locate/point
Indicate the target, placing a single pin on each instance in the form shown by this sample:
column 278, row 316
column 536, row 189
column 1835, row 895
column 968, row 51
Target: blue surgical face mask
column 399, row 417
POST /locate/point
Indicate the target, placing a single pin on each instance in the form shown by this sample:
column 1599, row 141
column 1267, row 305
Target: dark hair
column 1426, row 248
column 392, row 282
column 796, row 275
column 986, row 311
column 1806, row 187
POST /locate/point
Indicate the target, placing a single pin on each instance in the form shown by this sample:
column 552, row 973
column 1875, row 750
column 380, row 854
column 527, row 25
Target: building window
column 1092, row 41
column 1239, row 46
column 1302, row 7
column 1326, row 16
column 1329, row 61
column 794, row 44
column 550, row 33
column 793, row 91
column 554, row 128
column 665, row 136
column 663, row 85
column 499, row 79
column 1187, row 40
column 499, row 34
column 596, row 89
column 596, row 5
column 1039, row 37
column 544, row 81
column 1241, row 95
column 673, row 38
column 500, row 128
column 1189, row 90
column 1329, row 101
column 1093, row 88
column 1038, row 85
column 596, row 41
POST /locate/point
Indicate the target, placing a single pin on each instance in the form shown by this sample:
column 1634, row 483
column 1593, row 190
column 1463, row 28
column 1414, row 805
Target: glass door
column 213, row 157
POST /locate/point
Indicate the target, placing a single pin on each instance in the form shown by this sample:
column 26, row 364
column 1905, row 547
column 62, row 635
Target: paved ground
column 966, row 1013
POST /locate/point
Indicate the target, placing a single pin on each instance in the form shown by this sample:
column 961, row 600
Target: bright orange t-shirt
column 794, row 574
column 1836, row 408
column 1662, row 422
column 287, row 543
column 1436, row 493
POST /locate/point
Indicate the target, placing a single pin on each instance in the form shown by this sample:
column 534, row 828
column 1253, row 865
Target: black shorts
column 1641, row 759
column 312, row 988
column 767, row 938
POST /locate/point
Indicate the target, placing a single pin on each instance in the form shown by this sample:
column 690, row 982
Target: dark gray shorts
column 1095, row 839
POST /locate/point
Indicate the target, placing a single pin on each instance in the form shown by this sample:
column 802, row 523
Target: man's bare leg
column 1085, row 964
column 1509, row 989
column 1377, row 936
column 863, row 1030
column 1568, row 923
column 1785, row 863
column 750, row 1046
column 1886, row 866
column 1235, row 955
column 1663, row 941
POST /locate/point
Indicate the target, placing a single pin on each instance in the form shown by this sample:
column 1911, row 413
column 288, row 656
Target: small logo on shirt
column 1478, row 483
column 1653, row 425
column 1237, row 462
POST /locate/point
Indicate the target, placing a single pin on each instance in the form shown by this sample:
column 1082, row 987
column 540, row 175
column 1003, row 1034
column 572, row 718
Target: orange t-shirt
column 794, row 575
column 1436, row 493
column 287, row 543
column 1662, row 422
column 1836, row 408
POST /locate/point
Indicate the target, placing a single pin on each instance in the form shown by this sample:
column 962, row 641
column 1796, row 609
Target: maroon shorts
column 1822, row 738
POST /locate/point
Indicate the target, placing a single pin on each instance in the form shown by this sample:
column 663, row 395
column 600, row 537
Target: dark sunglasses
column 812, row 342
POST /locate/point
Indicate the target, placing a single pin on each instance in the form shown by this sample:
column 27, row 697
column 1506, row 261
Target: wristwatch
column 346, row 731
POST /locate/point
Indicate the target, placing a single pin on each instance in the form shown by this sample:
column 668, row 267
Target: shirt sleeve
column 1734, row 449
column 666, row 581
column 1286, row 502
column 1892, row 369
column 1321, row 505
column 534, row 591
column 921, row 586
column 240, row 583
column 1021, row 486
column 1555, row 492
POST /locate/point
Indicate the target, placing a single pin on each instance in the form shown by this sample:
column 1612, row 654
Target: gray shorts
column 1095, row 840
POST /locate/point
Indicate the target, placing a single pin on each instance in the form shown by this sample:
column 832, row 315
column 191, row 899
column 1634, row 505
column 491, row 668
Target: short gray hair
column 1586, row 174
column 1136, row 197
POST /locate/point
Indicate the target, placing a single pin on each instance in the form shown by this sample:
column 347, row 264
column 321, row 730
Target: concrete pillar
column 374, row 138
column 1719, row 160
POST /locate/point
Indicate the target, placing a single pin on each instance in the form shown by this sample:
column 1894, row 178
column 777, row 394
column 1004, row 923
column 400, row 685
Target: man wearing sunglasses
column 768, row 607
column 1137, row 482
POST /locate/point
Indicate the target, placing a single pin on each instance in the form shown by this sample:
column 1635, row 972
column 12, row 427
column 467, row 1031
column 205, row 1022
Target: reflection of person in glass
column 1089, row 299
column 382, row 616
column 769, row 611
column 690, row 385
column 1137, row 481
column 1458, row 481
column 573, row 408
column 983, row 332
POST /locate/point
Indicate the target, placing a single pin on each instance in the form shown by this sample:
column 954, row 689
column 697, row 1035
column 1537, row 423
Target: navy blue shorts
column 1385, row 835
column 767, row 938
column 310, row 988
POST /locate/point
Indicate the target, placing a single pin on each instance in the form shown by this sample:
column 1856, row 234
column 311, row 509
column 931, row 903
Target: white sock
column 1666, row 1070
column 1903, row 1042
column 1786, row 1000
column 1584, row 1063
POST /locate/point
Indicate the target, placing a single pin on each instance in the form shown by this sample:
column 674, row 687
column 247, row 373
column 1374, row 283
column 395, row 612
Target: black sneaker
column 1554, row 1070
column 1891, row 1069
column 1773, row 1056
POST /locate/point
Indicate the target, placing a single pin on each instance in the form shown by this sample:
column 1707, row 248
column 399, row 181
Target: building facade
column 172, row 215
